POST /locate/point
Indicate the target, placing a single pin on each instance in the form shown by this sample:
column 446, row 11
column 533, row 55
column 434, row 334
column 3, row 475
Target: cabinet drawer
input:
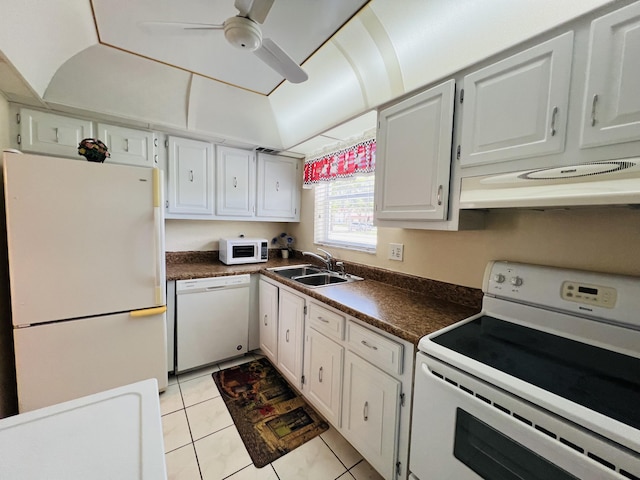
column 381, row 351
column 326, row 321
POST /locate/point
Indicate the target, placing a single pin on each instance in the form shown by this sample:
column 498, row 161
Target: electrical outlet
column 396, row 251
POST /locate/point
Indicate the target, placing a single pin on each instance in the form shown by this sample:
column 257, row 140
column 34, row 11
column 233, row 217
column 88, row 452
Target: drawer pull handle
column 235, row 182
column 191, row 175
column 372, row 347
column 593, row 110
column 265, row 319
column 365, row 411
column 323, row 320
column 287, row 335
column 320, row 375
column 554, row 114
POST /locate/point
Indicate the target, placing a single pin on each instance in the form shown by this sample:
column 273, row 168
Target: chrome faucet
column 328, row 260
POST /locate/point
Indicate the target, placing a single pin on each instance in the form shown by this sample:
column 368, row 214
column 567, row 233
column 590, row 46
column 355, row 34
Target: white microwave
column 234, row 251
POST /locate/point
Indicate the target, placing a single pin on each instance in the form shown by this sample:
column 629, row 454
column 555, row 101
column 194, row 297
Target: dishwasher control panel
column 204, row 284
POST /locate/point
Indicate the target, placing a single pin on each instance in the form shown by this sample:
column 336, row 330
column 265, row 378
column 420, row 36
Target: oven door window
column 244, row 251
column 494, row 456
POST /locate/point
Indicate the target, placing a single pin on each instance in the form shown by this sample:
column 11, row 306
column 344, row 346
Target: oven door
column 464, row 428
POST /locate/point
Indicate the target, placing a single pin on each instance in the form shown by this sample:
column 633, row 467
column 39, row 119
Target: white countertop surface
column 108, row 435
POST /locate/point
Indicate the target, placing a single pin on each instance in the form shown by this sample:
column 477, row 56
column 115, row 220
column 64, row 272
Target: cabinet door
column 414, row 156
column 52, row 134
column 278, row 187
column 290, row 340
column 612, row 96
column 323, row 374
column 235, row 182
column 129, row 146
column 268, row 311
column 190, row 182
column 517, row 108
column 371, row 412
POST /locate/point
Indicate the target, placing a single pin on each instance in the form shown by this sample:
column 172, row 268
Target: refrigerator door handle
column 158, row 215
column 147, row 312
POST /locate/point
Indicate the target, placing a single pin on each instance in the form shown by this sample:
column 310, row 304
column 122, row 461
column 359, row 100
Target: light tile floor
column 202, row 443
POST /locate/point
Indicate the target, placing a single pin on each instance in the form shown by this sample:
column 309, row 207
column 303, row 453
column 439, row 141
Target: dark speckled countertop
column 406, row 306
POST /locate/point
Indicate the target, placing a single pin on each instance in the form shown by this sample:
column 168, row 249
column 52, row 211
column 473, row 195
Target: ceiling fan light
column 243, row 33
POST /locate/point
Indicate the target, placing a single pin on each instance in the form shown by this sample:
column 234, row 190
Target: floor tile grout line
column 193, row 445
column 334, row 453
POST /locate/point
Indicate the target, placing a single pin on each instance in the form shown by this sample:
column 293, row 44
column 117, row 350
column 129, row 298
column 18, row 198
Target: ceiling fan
column 243, row 32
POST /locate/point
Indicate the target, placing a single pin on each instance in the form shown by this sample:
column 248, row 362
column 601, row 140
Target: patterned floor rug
column 270, row 416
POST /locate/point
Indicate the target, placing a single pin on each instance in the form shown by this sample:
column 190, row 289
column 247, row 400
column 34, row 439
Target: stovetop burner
column 601, row 380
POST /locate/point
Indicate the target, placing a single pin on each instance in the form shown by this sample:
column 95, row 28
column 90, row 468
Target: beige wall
column 199, row 235
column 599, row 239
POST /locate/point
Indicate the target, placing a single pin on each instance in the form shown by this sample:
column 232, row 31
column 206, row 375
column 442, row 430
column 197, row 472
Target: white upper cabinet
column 413, row 162
column 129, row 146
column 235, row 182
column 278, row 188
column 48, row 133
column 517, row 108
column 190, row 177
column 611, row 112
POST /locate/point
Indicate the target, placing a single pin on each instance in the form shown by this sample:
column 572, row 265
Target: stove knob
column 516, row 281
column 498, row 278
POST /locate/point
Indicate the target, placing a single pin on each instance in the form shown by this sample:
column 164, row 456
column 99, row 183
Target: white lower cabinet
column 268, row 316
column 290, row 336
column 357, row 377
column 371, row 407
column 323, row 360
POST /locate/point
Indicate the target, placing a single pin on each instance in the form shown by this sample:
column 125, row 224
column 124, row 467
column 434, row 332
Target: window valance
column 356, row 158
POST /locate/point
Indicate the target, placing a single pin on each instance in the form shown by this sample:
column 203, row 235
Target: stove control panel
column 606, row 296
column 598, row 295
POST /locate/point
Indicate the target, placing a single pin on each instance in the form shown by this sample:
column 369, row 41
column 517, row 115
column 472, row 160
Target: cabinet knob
column 516, row 281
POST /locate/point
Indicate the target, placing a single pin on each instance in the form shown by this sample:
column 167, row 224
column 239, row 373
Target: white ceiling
column 299, row 27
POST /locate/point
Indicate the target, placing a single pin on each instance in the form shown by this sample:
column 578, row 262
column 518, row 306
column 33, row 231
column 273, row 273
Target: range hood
column 610, row 182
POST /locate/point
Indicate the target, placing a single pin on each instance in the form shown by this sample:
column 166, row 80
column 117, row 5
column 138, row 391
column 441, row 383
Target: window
column 344, row 212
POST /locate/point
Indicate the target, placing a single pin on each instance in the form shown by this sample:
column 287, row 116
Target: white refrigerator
column 87, row 279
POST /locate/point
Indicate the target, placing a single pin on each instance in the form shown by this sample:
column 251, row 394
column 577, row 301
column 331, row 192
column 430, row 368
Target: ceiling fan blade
column 271, row 54
column 177, row 27
column 256, row 10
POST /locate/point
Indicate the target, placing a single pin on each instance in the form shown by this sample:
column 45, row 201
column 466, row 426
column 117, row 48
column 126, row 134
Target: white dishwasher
column 212, row 320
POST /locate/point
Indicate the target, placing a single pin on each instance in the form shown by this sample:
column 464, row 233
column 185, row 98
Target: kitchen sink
column 320, row 279
column 297, row 271
column 313, row 276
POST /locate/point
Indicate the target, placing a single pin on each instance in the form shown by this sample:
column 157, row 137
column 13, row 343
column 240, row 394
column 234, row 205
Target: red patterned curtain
column 357, row 158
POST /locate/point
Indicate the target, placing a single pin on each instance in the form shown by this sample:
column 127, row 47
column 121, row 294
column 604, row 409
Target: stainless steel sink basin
column 312, row 276
column 320, row 279
column 296, row 271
